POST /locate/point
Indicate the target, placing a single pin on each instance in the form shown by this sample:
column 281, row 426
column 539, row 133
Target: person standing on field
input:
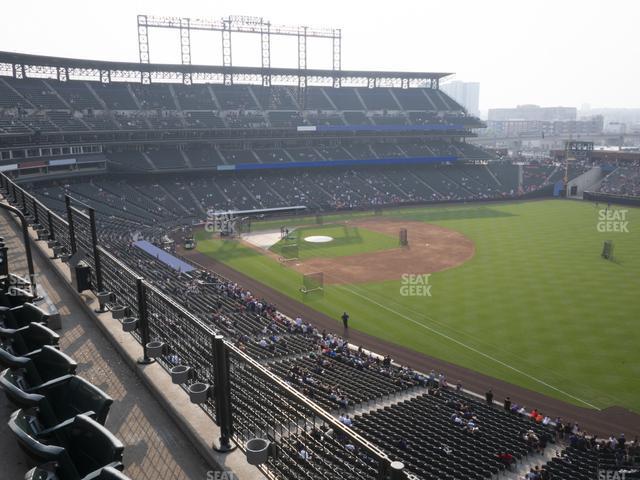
column 345, row 319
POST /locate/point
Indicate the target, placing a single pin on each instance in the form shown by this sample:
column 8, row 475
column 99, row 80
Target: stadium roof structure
column 20, row 65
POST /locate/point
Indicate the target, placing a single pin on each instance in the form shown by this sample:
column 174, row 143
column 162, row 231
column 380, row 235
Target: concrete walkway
column 155, row 448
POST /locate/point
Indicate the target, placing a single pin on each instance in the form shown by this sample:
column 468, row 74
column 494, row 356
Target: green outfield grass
column 536, row 306
column 347, row 240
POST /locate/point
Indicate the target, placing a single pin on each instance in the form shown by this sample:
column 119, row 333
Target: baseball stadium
column 239, row 272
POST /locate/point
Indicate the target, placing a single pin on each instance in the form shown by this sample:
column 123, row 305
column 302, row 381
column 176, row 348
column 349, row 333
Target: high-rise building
column 466, row 94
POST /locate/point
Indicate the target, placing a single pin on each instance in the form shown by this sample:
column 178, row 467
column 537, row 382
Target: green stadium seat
column 76, row 450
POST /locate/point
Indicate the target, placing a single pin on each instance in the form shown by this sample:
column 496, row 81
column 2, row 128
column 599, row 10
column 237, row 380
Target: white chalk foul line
column 469, row 347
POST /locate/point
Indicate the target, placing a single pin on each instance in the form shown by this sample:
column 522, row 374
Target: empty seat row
column 60, row 418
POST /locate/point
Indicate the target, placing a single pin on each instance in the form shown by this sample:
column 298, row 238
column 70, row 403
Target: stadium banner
column 389, row 128
column 347, row 163
column 226, row 167
column 306, row 128
column 9, row 168
column 32, row 164
column 91, row 158
column 64, row 161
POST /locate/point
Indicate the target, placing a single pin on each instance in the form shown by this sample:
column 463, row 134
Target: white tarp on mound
column 264, row 239
column 318, row 239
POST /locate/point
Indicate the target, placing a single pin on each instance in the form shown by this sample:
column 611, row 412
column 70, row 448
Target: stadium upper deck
column 41, row 97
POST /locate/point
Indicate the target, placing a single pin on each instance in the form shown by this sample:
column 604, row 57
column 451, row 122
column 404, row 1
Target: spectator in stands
column 472, row 427
column 345, row 420
column 559, row 430
column 303, row 453
column 506, row 459
column 621, row 441
column 489, row 397
column 403, row 444
column 533, row 442
column 507, row 404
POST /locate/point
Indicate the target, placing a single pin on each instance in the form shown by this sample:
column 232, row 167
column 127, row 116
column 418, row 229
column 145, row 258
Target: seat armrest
column 17, row 395
column 61, row 426
column 51, row 384
column 13, row 361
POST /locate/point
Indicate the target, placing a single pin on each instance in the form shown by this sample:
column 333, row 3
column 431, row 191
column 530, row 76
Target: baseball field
column 517, row 291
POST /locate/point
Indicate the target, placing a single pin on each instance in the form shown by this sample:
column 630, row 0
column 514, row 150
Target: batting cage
column 312, row 282
column 289, row 252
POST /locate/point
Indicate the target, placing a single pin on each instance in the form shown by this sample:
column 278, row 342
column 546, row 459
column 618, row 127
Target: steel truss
column 239, row 24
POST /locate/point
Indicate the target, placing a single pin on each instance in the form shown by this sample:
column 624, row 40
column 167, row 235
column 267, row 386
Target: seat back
column 57, row 471
column 28, row 313
column 74, row 397
column 51, row 363
column 90, row 446
column 5, row 312
column 32, row 337
column 107, row 473
column 13, row 296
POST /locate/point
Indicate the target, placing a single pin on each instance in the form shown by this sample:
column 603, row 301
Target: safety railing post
column 96, row 253
column 52, row 233
column 36, row 215
column 143, row 321
column 72, row 232
column 222, row 394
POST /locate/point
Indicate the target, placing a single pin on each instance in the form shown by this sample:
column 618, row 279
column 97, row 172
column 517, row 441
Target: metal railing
column 248, row 400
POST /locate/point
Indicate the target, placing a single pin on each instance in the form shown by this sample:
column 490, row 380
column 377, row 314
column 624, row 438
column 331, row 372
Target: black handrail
column 27, row 243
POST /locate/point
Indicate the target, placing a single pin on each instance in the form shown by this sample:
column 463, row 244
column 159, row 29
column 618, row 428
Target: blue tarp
column 391, row 128
column 346, row 163
column 163, row 256
column 557, row 188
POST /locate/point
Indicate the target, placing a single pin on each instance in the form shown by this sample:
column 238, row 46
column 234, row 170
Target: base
column 145, row 361
column 218, row 447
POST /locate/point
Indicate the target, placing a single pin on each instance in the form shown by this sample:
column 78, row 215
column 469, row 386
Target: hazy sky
column 549, row 52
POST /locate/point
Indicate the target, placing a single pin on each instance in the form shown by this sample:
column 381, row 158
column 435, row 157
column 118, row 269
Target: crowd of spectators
column 624, row 180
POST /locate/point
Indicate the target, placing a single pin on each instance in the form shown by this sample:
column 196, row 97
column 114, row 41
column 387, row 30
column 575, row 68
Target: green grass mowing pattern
column 347, row 240
column 536, row 296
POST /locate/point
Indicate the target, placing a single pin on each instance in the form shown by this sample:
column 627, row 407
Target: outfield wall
column 607, row 198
